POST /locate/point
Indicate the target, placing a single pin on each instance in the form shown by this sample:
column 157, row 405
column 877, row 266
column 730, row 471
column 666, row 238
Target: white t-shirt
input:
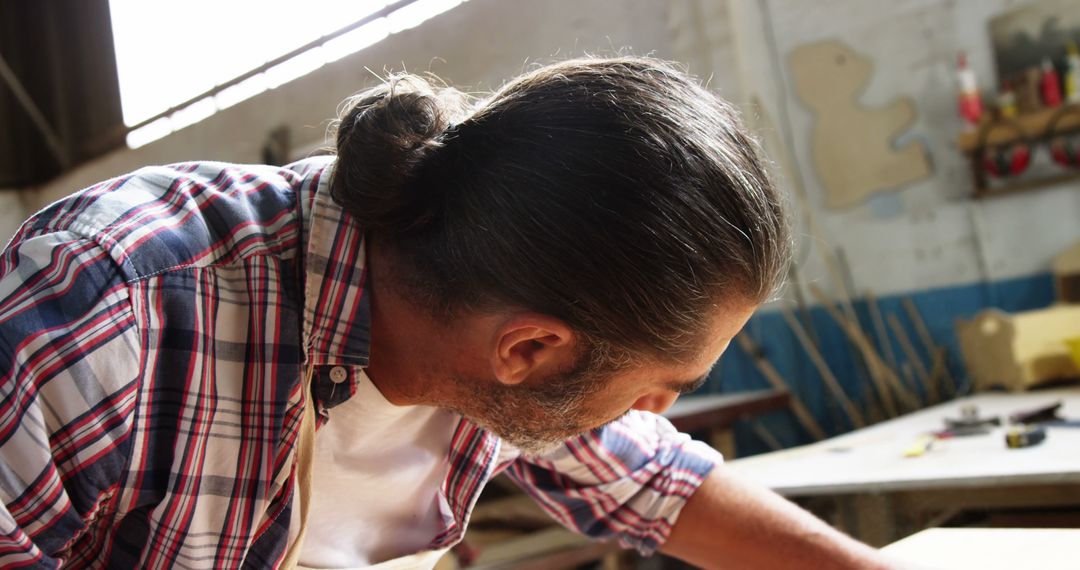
column 376, row 474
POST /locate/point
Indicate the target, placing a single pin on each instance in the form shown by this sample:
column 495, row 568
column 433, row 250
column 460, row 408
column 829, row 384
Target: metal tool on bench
column 1022, row 435
column 969, row 422
column 1047, row 415
column 923, row 443
column 1030, row 428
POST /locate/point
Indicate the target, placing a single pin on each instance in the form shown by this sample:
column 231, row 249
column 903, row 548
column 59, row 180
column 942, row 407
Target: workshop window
column 181, row 63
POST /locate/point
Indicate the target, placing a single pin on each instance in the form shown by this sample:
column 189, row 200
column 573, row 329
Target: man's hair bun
column 384, row 136
column 617, row 195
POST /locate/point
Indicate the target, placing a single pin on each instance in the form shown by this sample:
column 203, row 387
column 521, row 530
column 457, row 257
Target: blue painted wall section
column 940, row 308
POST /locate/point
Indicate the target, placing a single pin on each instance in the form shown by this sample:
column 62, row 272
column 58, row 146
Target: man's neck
column 395, row 371
column 414, row 357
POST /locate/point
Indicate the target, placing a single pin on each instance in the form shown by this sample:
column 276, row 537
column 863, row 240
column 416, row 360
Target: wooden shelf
column 1016, row 187
column 1034, row 127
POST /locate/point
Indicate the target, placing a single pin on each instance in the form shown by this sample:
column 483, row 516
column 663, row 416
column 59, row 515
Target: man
column 218, row 366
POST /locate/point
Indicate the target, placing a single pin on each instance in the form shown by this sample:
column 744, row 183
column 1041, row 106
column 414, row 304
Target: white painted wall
column 929, row 234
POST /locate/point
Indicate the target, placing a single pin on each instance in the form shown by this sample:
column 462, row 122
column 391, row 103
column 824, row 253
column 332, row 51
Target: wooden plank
column 989, row 548
column 883, row 376
column 851, row 332
column 718, row 411
column 913, row 358
column 879, row 329
column 806, row 419
column 862, row 369
column 853, row 414
column 927, row 340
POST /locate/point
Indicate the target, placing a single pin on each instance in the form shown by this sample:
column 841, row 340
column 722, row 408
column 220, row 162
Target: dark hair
column 615, row 194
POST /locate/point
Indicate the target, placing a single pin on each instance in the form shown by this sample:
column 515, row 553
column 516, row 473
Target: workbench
column 990, row 548
column 713, row 415
column 863, row 484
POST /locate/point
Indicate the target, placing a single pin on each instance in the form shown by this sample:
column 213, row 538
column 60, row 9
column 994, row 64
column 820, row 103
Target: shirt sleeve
column 627, row 480
column 69, row 363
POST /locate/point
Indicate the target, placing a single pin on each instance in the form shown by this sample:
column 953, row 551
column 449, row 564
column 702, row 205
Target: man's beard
column 535, row 419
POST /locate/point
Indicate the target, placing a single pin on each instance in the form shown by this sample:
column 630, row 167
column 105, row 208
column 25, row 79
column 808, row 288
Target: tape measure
column 1024, row 436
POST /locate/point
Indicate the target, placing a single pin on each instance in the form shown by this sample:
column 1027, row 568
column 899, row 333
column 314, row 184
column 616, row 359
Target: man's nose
column 656, row 402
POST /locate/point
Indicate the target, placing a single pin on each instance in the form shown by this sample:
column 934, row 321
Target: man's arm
column 626, row 481
column 732, row 523
column 68, row 369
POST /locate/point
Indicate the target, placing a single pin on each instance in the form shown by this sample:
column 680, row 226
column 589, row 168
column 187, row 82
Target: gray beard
column 534, row 419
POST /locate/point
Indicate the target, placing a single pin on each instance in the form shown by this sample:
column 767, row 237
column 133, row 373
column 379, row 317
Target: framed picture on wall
column 1025, row 37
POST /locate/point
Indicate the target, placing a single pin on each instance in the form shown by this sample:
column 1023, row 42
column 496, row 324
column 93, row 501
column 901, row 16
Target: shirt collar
column 337, row 332
column 337, row 309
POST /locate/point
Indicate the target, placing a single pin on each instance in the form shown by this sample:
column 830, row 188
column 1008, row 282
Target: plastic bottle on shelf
column 1007, row 101
column 969, row 103
column 1050, row 84
column 1072, row 73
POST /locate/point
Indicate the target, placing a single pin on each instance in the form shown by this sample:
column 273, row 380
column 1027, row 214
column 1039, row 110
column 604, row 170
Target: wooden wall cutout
column 852, row 144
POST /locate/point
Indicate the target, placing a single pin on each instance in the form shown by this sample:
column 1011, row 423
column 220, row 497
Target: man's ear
column 526, row 344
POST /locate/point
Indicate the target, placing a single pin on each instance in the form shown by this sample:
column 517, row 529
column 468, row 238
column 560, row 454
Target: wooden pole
column 884, row 395
column 840, row 274
column 770, row 373
column 766, row 435
column 927, row 340
column 909, row 378
column 808, row 325
column 800, row 301
column 835, row 268
column 913, row 358
column 882, row 374
column 879, row 329
column 938, row 368
column 853, row 414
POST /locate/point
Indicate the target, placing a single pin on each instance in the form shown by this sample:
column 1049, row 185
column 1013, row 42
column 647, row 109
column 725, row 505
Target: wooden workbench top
column 872, row 459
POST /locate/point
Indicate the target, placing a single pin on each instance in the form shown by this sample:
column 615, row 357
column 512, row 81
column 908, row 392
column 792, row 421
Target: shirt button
column 338, row 374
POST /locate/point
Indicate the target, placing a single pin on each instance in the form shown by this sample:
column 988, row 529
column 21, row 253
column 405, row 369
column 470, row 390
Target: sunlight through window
column 169, row 53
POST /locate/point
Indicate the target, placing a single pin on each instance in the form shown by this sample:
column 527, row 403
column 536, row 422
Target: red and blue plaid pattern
column 153, row 334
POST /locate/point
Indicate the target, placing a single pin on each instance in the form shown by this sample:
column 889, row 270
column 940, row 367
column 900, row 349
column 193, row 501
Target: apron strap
column 305, row 449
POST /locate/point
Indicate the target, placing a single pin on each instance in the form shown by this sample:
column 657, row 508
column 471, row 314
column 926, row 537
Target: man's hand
column 732, row 523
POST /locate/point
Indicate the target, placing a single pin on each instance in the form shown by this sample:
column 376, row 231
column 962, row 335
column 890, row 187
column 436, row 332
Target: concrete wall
column 475, row 46
column 929, row 234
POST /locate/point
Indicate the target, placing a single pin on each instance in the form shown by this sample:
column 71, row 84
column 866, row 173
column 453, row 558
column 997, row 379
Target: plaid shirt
column 153, row 334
